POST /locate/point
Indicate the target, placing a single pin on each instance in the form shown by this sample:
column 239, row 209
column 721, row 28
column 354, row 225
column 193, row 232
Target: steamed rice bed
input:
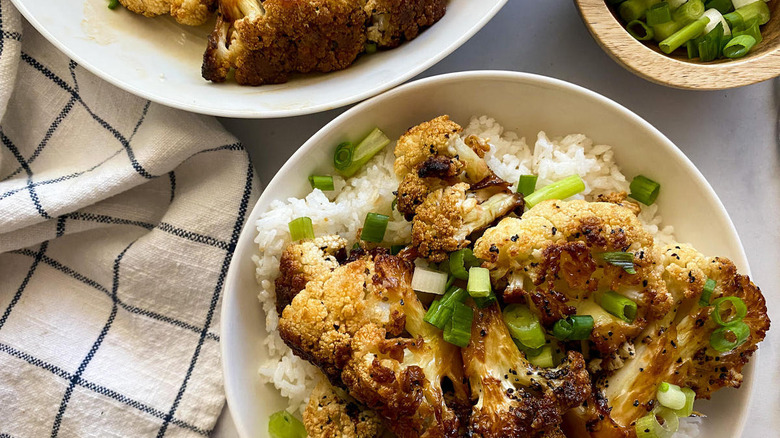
column 343, row 211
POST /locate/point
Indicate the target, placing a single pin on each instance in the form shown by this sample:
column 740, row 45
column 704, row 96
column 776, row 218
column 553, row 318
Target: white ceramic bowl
column 523, row 103
column 160, row 60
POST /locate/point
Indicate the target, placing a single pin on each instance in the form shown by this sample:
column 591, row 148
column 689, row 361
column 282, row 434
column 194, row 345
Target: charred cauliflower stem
column 504, row 365
column 188, row 12
column 447, row 189
column 363, row 327
column 513, row 397
column 264, row 42
column 677, row 347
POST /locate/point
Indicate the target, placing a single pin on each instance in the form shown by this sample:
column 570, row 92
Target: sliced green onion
column 639, row 30
column 649, row 427
column 618, row 305
column 706, row 292
column 439, row 314
column 544, row 359
column 670, row 396
column 644, row 190
column 483, row 302
column 665, row 30
column 283, row 425
column 458, row 330
column 342, row 158
column 740, row 310
column 709, row 45
column 349, row 160
column 739, row 46
column 322, row 182
column 658, row 13
column 460, row 261
column 716, row 18
column 523, row 325
column 635, row 9
column 758, row 11
column 479, row 282
column 370, row 48
column 374, row 227
column 429, row 281
column 674, row 4
column 688, row 12
column 687, row 410
column 729, row 337
column 752, row 29
column 562, row 189
column 722, row 6
column 693, row 49
column 301, row 228
column 527, row 184
column 620, row 259
column 113, row 4
column 680, row 37
column 573, row 328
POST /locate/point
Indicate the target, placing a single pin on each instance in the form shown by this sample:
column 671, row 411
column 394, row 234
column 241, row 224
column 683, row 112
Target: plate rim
column 246, row 237
column 259, row 114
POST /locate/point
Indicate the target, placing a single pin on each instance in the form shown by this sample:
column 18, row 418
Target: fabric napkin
column 118, row 220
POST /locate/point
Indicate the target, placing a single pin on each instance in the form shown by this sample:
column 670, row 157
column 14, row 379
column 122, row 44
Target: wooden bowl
column 676, row 70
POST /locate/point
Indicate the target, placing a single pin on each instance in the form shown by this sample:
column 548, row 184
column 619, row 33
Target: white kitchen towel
column 118, row 220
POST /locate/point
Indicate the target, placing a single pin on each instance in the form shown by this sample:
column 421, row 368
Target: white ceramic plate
column 160, row 60
column 523, row 103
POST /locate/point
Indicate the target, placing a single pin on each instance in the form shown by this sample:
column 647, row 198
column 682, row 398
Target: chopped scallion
column 301, row 228
column 395, row 249
column 439, row 314
column 687, row 410
column 322, row 182
column 618, row 305
column 113, row 4
column 374, row 227
column 620, row 259
column 639, row 30
column 665, row 30
column 349, row 159
column 722, row 6
column 658, row 13
column 688, row 12
column 682, row 36
column 460, row 261
column 370, row 48
column 573, row 328
column 458, row 330
column 729, row 337
column 736, row 312
column 523, row 325
column 644, row 190
column 562, row 189
column 479, row 282
column 544, row 359
column 283, row 425
column 670, row 396
column 706, row 292
column 429, row 281
column 757, row 11
column 710, row 44
column 483, row 302
column 527, row 184
column 635, row 9
column 752, row 29
column 739, row 46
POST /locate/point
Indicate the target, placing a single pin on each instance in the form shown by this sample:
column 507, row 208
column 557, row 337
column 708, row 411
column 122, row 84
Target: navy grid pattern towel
column 118, row 220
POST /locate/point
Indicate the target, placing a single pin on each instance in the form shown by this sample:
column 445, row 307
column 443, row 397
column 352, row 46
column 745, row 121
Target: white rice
column 371, row 190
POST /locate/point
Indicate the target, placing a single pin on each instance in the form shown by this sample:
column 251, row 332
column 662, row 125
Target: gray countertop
column 731, row 136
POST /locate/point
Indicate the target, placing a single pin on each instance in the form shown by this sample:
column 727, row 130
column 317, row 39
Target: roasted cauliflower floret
column 351, row 326
column 331, row 413
column 448, row 216
column 676, row 348
column 189, row 12
column 550, row 258
column 513, row 397
column 265, row 43
column 395, row 21
column 305, row 261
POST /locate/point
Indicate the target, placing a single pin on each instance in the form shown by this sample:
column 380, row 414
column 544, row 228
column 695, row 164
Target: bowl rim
column 248, row 231
column 639, row 59
column 461, row 39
